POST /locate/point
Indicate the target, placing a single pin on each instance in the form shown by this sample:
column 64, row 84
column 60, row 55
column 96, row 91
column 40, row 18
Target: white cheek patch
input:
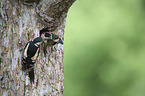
column 36, row 55
column 39, row 43
column 56, row 40
column 47, row 38
column 25, row 51
column 36, row 45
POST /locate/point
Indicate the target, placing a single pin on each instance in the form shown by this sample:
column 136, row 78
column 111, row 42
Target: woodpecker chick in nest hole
column 54, row 39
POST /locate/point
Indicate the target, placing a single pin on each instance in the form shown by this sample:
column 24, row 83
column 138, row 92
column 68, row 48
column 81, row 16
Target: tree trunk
column 20, row 22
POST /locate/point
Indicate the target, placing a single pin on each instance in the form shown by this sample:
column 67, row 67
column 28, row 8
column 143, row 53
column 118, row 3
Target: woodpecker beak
column 60, row 41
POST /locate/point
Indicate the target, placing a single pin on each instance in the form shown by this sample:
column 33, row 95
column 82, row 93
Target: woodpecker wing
column 36, row 55
column 25, row 50
column 33, row 49
column 30, row 54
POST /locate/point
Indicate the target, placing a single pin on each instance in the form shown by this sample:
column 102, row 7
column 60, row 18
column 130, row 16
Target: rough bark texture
column 20, row 22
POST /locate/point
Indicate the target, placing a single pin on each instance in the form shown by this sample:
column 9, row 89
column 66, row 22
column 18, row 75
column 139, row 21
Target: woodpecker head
column 50, row 38
column 56, row 39
column 38, row 40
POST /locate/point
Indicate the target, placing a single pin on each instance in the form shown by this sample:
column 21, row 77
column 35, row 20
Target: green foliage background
column 104, row 50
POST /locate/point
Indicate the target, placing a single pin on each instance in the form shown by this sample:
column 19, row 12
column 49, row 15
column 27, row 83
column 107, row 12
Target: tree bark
column 20, row 22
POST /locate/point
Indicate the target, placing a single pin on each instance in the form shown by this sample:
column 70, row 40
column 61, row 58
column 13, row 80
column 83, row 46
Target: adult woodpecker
column 30, row 55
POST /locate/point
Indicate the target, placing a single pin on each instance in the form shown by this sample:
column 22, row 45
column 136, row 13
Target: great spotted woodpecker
column 54, row 39
column 32, row 49
column 30, row 55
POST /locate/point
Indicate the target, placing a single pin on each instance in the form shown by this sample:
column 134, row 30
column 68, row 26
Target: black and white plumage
column 54, row 39
column 30, row 55
column 32, row 50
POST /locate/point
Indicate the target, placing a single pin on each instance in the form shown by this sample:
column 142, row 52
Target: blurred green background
column 104, row 50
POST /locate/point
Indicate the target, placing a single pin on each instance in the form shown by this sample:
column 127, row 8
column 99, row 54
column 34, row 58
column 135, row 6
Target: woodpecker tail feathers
column 31, row 75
